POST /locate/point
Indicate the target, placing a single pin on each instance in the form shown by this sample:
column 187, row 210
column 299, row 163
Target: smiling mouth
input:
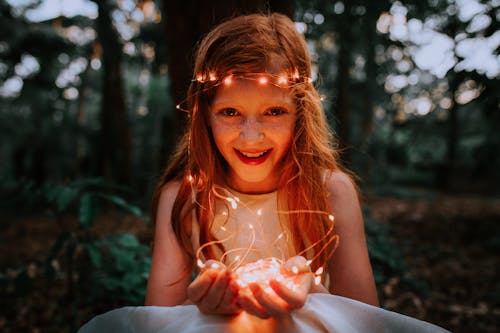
column 251, row 157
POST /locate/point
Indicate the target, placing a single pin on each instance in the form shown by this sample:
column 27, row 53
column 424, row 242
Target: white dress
column 321, row 312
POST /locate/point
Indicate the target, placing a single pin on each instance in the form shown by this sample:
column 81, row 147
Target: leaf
column 62, row 196
column 121, row 203
column 127, row 240
column 95, row 255
column 87, row 209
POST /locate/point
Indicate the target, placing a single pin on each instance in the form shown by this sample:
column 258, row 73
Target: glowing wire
column 264, row 270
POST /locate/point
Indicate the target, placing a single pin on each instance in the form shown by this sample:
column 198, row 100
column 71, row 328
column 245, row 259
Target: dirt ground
column 451, row 245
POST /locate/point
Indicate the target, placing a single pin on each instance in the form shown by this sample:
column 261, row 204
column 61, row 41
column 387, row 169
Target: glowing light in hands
column 265, row 270
column 262, row 271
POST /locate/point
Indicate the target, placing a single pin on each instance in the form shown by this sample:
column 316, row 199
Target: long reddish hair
column 252, row 44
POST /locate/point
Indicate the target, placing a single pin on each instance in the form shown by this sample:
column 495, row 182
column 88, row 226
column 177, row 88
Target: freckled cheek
column 283, row 131
column 224, row 133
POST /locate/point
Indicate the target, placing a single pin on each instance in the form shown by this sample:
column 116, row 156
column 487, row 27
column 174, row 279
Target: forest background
column 88, row 91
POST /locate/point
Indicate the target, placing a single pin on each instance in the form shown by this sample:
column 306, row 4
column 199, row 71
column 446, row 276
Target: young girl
column 256, row 224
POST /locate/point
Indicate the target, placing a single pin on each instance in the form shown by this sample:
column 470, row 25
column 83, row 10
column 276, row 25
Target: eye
column 229, row 112
column 276, row 111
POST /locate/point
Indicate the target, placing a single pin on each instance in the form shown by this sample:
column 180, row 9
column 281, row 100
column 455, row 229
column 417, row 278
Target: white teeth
column 253, row 155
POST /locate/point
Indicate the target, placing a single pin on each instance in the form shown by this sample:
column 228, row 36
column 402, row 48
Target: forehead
column 242, row 90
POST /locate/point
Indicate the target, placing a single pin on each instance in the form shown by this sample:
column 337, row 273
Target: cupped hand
column 282, row 295
column 214, row 291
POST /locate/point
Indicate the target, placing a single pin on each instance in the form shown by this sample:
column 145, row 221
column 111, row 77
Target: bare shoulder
column 166, row 201
column 164, row 232
column 169, row 193
column 341, row 188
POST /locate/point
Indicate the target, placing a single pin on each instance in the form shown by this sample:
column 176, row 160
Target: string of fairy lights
column 211, row 80
column 265, row 270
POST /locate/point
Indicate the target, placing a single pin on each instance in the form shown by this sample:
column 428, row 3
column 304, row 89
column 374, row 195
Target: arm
column 211, row 291
column 169, row 260
column 349, row 268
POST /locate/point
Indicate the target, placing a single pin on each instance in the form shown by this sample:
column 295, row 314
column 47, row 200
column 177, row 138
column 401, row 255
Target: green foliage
column 120, row 267
column 119, row 264
column 385, row 255
column 86, row 194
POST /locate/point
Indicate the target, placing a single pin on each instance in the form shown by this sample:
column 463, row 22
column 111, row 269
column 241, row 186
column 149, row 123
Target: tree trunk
column 185, row 23
column 343, row 103
column 445, row 174
column 115, row 143
column 370, row 85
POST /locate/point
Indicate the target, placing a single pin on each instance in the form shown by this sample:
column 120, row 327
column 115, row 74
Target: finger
column 200, row 286
column 229, row 299
column 214, row 296
column 270, row 301
column 248, row 303
column 230, row 293
column 295, row 294
column 297, row 264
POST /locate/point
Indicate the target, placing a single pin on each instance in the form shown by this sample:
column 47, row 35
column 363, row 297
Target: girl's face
column 253, row 125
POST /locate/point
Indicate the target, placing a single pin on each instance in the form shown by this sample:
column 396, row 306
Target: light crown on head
column 281, row 80
column 211, row 79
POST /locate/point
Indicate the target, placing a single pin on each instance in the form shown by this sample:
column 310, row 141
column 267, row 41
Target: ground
column 450, row 245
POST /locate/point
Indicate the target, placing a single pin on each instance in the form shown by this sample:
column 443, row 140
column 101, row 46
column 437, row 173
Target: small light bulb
column 263, row 80
column 259, row 212
column 282, row 80
column 212, row 77
column 331, row 217
column 228, row 80
column 234, row 205
column 319, row 271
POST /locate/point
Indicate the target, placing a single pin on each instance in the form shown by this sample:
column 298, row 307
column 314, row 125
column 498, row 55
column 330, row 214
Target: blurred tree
column 60, row 87
column 345, row 40
column 185, row 23
column 468, row 87
column 115, row 142
column 32, row 106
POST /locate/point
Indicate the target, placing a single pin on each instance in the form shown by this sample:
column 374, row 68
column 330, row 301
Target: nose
column 251, row 130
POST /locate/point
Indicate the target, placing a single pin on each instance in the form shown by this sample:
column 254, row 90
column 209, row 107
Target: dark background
column 88, row 120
